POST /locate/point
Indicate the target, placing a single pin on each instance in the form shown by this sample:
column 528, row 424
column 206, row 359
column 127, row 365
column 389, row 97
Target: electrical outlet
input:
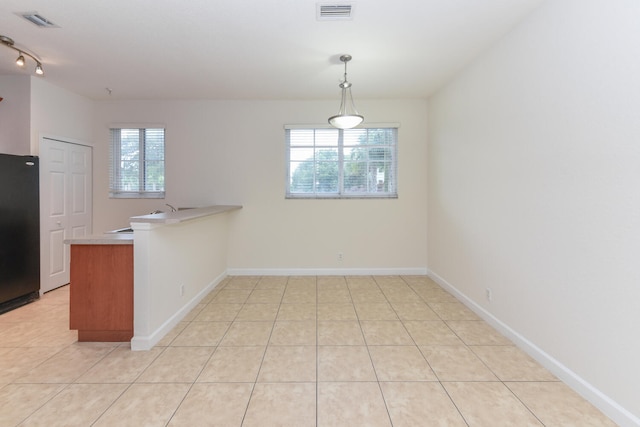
column 181, row 290
column 487, row 293
column 340, row 256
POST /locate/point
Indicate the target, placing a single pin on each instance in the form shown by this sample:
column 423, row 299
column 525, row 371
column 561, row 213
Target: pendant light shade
column 347, row 116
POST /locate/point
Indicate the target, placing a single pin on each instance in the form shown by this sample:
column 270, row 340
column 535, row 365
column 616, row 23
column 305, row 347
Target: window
column 337, row 163
column 137, row 163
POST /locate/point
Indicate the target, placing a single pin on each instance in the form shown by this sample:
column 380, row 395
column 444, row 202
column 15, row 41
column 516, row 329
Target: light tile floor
column 285, row 351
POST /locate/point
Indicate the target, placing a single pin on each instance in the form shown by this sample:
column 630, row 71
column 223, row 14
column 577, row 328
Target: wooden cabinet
column 101, row 301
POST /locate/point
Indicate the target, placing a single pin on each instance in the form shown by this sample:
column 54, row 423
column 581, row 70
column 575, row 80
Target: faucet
column 172, row 208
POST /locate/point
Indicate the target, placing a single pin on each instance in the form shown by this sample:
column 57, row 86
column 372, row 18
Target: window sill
column 137, row 195
column 338, row 196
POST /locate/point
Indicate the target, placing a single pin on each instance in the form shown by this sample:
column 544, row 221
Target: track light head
column 8, row 42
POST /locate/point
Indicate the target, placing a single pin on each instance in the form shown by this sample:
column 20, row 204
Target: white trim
column 45, row 135
column 136, row 194
column 366, row 125
column 147, row 342
column 601, row 401
column 137, row 125
column 320, row 196
column 408, row 271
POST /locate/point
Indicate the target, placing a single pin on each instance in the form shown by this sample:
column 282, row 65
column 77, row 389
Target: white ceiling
column 253, row 49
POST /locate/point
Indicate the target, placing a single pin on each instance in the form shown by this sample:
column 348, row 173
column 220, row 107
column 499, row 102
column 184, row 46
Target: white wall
column 14, row 115
column 32, row 107
column 534, row 177
column 175, row 266
column 59, row 113
column 233, row 152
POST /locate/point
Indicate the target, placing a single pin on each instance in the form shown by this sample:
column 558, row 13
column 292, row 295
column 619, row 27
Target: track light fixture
column 8, row 42
column 347, row 116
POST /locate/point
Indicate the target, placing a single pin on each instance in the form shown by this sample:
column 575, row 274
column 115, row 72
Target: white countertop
column 104, row 239
column 184, row 214
column 159, row 218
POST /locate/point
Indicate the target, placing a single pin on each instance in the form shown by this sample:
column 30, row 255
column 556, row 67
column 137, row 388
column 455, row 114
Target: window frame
column 341, row 193
column 115, row 162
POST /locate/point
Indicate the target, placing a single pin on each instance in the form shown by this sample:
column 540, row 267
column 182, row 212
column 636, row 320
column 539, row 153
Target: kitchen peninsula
column 178, row 257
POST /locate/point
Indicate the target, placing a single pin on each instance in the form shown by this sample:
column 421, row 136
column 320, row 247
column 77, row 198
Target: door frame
column 44, row 190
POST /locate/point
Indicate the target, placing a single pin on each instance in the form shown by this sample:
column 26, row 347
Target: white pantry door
column 65, row 206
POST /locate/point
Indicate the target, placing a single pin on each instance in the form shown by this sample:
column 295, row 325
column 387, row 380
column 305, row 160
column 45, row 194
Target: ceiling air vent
column 38, row 20
column 334, row 11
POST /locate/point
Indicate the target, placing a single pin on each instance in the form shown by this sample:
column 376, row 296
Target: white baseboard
column 149, row 341
column 601, row 401
column 417, row 271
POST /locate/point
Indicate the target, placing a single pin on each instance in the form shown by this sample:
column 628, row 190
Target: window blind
column 137, row 163
column 336, row 163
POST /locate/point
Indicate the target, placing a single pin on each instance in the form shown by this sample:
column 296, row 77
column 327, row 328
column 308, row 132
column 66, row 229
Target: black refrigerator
column 19, row 231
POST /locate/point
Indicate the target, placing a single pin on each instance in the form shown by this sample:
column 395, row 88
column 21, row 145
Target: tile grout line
column 431, row 367
column 375, row 371
column 255, row 382
column 204, row 365
column 317, row 352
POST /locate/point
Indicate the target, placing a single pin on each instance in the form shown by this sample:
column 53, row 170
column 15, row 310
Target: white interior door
column 65, row 206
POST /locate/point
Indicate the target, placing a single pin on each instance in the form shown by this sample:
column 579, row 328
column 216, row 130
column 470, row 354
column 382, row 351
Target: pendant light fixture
column 8, row 42
column 347, row 116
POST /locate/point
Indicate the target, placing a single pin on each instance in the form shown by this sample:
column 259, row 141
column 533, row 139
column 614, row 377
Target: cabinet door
column 101, row 295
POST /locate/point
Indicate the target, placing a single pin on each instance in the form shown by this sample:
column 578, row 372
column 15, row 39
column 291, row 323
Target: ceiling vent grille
column 38, row 20
column 334, row 12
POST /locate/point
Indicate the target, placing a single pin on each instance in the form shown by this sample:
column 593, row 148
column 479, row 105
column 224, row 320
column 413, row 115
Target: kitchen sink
column 121, row 230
